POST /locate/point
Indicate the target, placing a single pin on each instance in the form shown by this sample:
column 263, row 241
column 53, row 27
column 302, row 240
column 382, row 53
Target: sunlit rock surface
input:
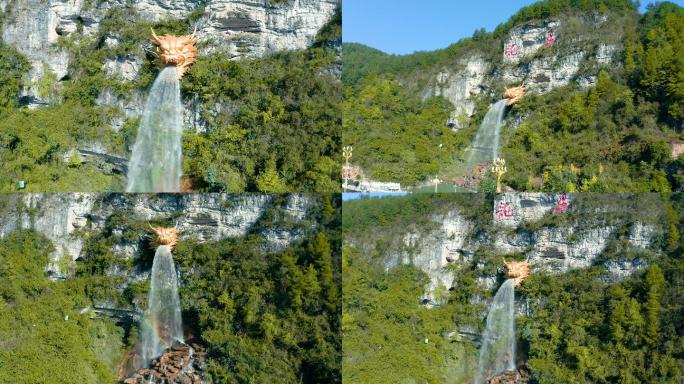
column 122, row 67
column 181, row 363
column 236, row 27
column 459, row 86
column 525, row 40
column 451, row 241
column 543, row 56
column 433, row 252
column 66, row 218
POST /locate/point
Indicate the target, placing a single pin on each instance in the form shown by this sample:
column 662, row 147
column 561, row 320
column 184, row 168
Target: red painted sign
column 504, row 210
column 511, row 50
column 550, row 39
column 561, row 204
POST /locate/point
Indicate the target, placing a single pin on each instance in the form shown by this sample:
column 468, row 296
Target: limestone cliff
column 553, row 237
column 236, row 27
column 69, row 219
column 542, row 55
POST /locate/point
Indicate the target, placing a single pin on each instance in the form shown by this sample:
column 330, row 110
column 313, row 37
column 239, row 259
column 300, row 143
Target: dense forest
column 614, row 136
column 581, row 326
column 417, row 148
column 263, row 315
column 276, row 128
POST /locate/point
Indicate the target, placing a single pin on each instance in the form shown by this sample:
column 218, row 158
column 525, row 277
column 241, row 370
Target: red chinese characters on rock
column 561, row 204
column 511, row 50
column 550, row 39
column 504, row 210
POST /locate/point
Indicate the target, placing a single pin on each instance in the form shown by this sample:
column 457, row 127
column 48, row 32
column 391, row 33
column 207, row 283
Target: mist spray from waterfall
column 156, row 161
column 497, row 353
column 163, row 324
column 486, row 145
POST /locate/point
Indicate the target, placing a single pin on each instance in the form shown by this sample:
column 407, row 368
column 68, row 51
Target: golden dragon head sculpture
column 165, row 236
column 514, row 94
column 176, row 50
column 517, row 270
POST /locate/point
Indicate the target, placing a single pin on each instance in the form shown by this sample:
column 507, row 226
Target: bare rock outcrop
column 65, row 218
column 452, row 241
column 180, row 364
column 236, row 27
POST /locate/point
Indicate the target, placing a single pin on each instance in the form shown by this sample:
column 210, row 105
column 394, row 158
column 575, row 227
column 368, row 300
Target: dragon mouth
column 176, row 50
column 172, row 59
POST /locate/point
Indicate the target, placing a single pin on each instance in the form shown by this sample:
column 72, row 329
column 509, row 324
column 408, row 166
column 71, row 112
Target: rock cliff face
column 236, row 27
column 542, row 56
column 525, row 40
column 263, row 26
column 459, row 86
column 31, row 27
column 452, row 241
column 435, row 251
column 66, row 219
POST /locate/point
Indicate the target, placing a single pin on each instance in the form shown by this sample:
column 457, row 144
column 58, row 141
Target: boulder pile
column 180, row 364
column 521, row 376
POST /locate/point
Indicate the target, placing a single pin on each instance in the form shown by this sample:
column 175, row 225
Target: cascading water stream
column 497, row 353
column 163, row 323
column 156, row 161
column 486, row 145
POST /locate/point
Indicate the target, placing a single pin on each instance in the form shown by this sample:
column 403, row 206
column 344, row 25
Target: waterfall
column 156, row 162
column 486, row 145
column 163, row 323
column 497, row 353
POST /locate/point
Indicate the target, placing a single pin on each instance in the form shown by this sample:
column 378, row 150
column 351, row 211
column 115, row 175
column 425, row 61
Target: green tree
column 269, row 181
column 46, row 337
column 322, row 258
column 13, row 66
column 655, row 282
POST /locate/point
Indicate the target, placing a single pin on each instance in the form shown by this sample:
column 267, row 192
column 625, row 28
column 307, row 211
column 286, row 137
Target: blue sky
column 405, row 26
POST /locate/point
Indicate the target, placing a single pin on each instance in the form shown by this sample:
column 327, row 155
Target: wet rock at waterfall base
column 511, row 377
column 508, row 377
column 471, row 180
column 180, row 364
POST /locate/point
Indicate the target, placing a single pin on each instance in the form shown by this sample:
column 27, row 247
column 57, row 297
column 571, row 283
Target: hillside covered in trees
column 263, row 313
column 265, row 121
column 603, row 110
column 599, row 306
